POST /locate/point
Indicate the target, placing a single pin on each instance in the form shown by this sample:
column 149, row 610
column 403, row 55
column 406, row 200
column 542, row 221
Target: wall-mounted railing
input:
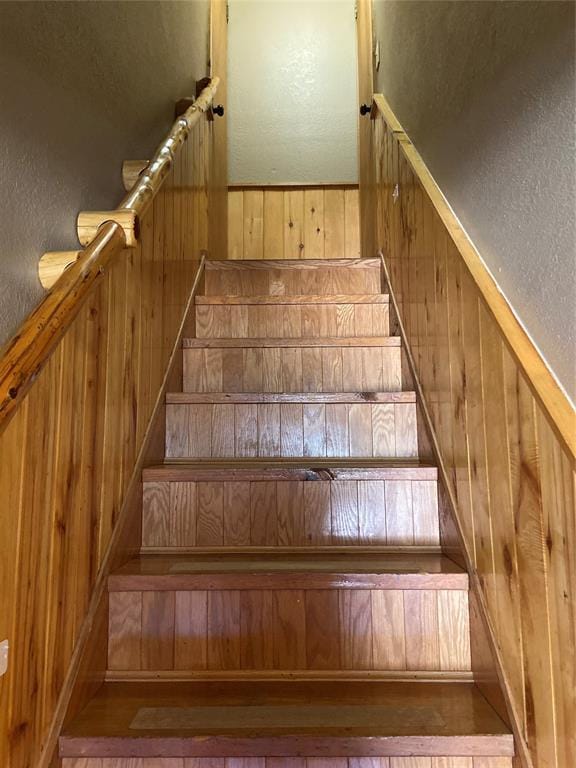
column 105, row 234
column 81, row 396
column 505, row 435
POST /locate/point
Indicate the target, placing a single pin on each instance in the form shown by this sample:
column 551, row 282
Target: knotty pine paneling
column 69, row 451
column 251, row 430
column 286, row 321
column 263, row 629
column 293, row 222
column 290, row 513
column 510, row 472
column 293, row 369
column 292, row 762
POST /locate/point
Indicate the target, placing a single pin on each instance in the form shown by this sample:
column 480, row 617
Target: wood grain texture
column 351, row 568
column 313, row 319
column 293, row 369
column 292, row 277
column 297, row 513
column 293, row 222
column 264, row 629
column 194, row 430
column 505, row 438
column 76, row 439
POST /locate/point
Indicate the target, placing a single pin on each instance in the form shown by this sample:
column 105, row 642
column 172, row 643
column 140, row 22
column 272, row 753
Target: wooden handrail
column 28, row 351
column 136, row 202
column 150, row 181
column 539, row 376
column 24, row 356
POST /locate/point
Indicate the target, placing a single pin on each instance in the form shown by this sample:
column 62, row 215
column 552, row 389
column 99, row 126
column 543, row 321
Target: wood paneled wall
column 69, row 452
column 293, row 222
column 509, row 470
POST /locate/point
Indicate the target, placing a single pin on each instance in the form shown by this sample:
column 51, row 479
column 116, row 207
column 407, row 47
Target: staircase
column 290, row 599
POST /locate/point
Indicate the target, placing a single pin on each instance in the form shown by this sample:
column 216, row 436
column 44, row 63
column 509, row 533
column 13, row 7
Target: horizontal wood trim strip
column 280, row 746
column 300, row 264
column 298, row 675
column 288, row 469
column 541, row 379
column 293, row 397
column 289, row 185
column 313, row 298
column 336, row 341
column 282, row 581
column 354, row 549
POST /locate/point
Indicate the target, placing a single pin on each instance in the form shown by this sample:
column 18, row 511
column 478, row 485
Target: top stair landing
column 292, row 277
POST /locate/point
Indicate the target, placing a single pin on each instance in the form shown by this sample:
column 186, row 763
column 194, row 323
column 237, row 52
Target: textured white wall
column 486, row 91
column 83, row 86
column 292, row 85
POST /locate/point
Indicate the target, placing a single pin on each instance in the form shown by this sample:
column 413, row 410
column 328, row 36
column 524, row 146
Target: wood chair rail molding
column 540, row 378
column 502, row 433
column 72, row 275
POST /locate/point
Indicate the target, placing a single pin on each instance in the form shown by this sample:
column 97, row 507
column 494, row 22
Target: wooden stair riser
column 293, row 369
column 286, row 321
column 263, row 629
column 289, row 513
column 292, row 278
column 299, row 762
column 291, row 429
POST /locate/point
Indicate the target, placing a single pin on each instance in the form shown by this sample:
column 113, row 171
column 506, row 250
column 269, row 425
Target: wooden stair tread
column 327, row 341
column 303, row 571
column 311, row 298
column 305, row 264
column 300, row 468
column 288, row 718
column 290, row 397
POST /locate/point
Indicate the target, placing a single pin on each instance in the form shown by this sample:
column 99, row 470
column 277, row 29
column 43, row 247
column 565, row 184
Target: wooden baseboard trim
column 475, row 586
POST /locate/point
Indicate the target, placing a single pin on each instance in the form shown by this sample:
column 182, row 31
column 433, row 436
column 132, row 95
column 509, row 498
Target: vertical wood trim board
column 69, row 452
column 293, row 222
column 510, row 473
column 218, row 188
